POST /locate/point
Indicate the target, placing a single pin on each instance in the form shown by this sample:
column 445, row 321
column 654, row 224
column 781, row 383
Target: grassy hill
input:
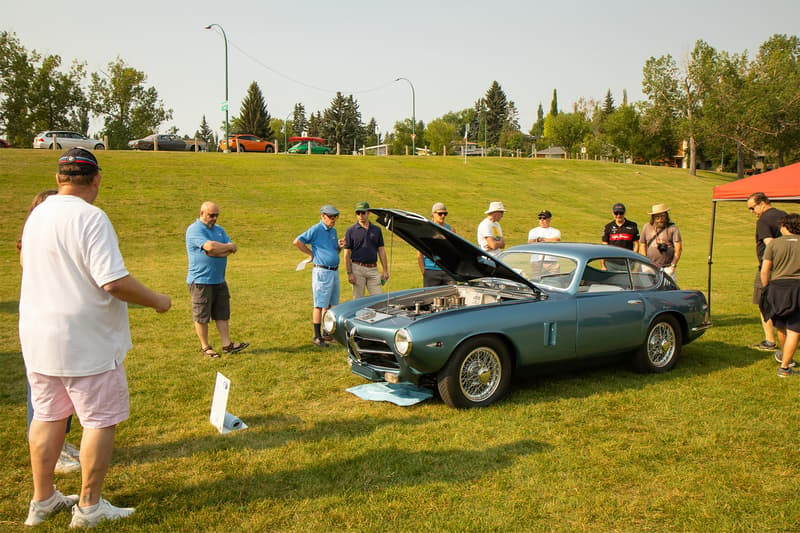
column 701, row 448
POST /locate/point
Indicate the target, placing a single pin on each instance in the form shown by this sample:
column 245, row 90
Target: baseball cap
column 618, row 207
column 545, row 214
column 77, row 162
column 362, row 206
column 438, row 206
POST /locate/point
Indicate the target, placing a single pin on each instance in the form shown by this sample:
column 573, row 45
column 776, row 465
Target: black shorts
column 210, row 302
column 790, row 321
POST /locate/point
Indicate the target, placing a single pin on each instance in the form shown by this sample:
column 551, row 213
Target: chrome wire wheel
column 662, row 344
column 480, row 374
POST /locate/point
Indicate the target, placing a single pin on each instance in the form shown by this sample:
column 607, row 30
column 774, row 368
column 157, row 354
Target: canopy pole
column 710, row 253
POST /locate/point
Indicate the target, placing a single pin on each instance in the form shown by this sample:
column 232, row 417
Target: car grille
column 372, row 352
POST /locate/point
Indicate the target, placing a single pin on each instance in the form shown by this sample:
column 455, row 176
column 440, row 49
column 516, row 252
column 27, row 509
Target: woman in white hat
column 490, row 234
column 660, row 240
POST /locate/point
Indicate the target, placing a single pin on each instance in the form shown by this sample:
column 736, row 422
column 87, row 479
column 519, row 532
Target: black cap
column 618, row 207
column 77, row 161
column 546, row 214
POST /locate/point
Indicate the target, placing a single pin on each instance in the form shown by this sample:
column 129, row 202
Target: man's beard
column 660, row 224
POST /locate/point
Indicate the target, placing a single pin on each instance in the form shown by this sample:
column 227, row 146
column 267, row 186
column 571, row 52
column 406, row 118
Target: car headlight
column 329, row 321
column 402, row 342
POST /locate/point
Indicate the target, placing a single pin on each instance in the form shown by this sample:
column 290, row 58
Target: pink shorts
column 100, row 401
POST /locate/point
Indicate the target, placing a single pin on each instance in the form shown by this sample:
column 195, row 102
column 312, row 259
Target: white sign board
column 220, row 418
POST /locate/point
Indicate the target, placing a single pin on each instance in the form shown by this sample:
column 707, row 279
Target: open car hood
column 455, row 255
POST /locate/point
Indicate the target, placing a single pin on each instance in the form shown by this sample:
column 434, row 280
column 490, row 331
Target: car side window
column 605, row 275
column 644, row 275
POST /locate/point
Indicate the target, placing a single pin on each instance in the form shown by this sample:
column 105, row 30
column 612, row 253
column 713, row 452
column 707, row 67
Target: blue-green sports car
column 534, row 304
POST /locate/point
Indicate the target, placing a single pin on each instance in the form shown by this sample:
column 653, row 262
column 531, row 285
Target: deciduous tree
column 129, row 109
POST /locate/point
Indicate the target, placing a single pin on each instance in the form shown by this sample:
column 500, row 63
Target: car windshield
column 550, row 271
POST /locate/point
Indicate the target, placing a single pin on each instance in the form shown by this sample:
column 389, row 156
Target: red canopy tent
column 782, row 184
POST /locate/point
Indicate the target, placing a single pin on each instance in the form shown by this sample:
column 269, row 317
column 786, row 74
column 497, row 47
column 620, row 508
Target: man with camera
column 660, row 240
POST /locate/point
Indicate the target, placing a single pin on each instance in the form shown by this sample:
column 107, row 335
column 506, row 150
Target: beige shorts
column 100, row 401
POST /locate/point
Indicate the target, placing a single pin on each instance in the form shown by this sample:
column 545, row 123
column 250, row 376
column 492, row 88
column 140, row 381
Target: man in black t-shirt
column 621, row 231
column 768, row 227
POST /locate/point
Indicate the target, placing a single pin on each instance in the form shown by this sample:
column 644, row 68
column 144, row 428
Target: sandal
column 209, row 352
column 235, row 347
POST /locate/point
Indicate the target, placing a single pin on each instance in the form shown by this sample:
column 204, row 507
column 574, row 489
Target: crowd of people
column 73, row 319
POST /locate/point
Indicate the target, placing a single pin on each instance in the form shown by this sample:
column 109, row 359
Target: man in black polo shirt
column 363, row 246
column 768, row 227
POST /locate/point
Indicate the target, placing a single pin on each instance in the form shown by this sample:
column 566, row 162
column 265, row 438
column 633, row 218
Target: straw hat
column 658, row 208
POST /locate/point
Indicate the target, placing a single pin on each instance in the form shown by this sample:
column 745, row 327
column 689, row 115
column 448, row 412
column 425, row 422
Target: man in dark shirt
column 621, row 231
column 363, row 246
column 768, row 227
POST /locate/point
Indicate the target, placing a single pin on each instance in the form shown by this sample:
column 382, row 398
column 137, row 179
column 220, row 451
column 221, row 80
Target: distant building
column 553, row 152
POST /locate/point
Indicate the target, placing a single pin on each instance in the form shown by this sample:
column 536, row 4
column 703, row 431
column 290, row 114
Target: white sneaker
column 38, row 512
column 103, row 511
column 72, row 451
column 66, row 464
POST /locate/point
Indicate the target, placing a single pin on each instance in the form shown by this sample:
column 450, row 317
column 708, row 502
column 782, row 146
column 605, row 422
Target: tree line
column 725, row 108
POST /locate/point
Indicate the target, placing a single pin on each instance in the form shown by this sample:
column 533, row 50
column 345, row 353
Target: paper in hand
column 302, row 264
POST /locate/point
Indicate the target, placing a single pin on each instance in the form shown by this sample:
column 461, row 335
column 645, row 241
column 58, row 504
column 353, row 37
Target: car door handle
column 634, row 302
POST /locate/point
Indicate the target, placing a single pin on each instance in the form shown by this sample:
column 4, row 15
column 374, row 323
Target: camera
column 662, row 247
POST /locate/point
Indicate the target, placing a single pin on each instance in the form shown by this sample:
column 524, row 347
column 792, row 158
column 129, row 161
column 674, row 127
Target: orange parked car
column 247, row 143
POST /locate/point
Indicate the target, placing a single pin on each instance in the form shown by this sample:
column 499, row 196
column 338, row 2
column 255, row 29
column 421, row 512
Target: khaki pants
column 366, row 279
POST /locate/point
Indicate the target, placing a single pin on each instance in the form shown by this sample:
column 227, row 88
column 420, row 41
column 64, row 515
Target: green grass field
column 709, row 446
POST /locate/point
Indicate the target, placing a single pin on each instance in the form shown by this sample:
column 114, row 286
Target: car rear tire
column 58, row 146
column 269, row 149
column 241, row 148
column 477, row 374
column 661, row 348
column 99, row 146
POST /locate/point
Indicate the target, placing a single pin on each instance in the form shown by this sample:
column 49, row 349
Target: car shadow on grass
column 581, row 380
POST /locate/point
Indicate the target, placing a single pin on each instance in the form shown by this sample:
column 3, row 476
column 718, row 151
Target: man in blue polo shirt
column 363, row 247
column 208, row 248
column 324, row 254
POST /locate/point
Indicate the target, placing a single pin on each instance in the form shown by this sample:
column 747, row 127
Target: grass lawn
column 709, row 446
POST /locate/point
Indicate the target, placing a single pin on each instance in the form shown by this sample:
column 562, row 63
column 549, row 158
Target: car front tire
column 99, row 146
column 661, row 348
column 477, row 374
column 268, row 149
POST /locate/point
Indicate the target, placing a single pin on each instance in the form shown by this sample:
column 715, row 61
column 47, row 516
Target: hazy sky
column 306, row 50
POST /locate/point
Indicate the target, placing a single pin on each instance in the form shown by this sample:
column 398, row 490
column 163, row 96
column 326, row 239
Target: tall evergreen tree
column 608, row 103
column 206, row 134
column 341, row 123
column 315, row 124
column 299, row 122
column 554, row 104
column 496, row 113
column 253, row 117
column 537, row 130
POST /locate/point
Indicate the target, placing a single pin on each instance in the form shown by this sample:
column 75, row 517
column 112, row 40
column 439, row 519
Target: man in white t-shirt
column 547, row 264
column 490, row 234
column 73, row 327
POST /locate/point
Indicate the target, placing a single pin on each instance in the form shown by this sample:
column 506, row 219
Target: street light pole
column 285, row 130
column 413, row 116
column 227, row 104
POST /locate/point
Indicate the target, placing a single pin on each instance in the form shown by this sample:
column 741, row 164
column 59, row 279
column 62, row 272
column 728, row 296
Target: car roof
column 582, row 250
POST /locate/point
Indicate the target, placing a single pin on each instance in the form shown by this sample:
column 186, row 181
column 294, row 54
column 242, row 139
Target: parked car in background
column 246, row 143
column 550, row 304
column 66, row 140
column 167, row 141
column 4, row 144
column 301, row 145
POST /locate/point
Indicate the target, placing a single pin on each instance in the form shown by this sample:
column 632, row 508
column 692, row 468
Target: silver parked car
column 65, row 140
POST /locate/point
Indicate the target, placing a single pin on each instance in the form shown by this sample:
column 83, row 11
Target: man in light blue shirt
column 324, row 254
column 208, row 248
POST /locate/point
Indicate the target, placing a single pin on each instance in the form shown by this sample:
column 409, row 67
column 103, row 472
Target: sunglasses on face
column 442, row 213
column 361, row 212
column 619, row 212
column 543, row 218
column 212, row 215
